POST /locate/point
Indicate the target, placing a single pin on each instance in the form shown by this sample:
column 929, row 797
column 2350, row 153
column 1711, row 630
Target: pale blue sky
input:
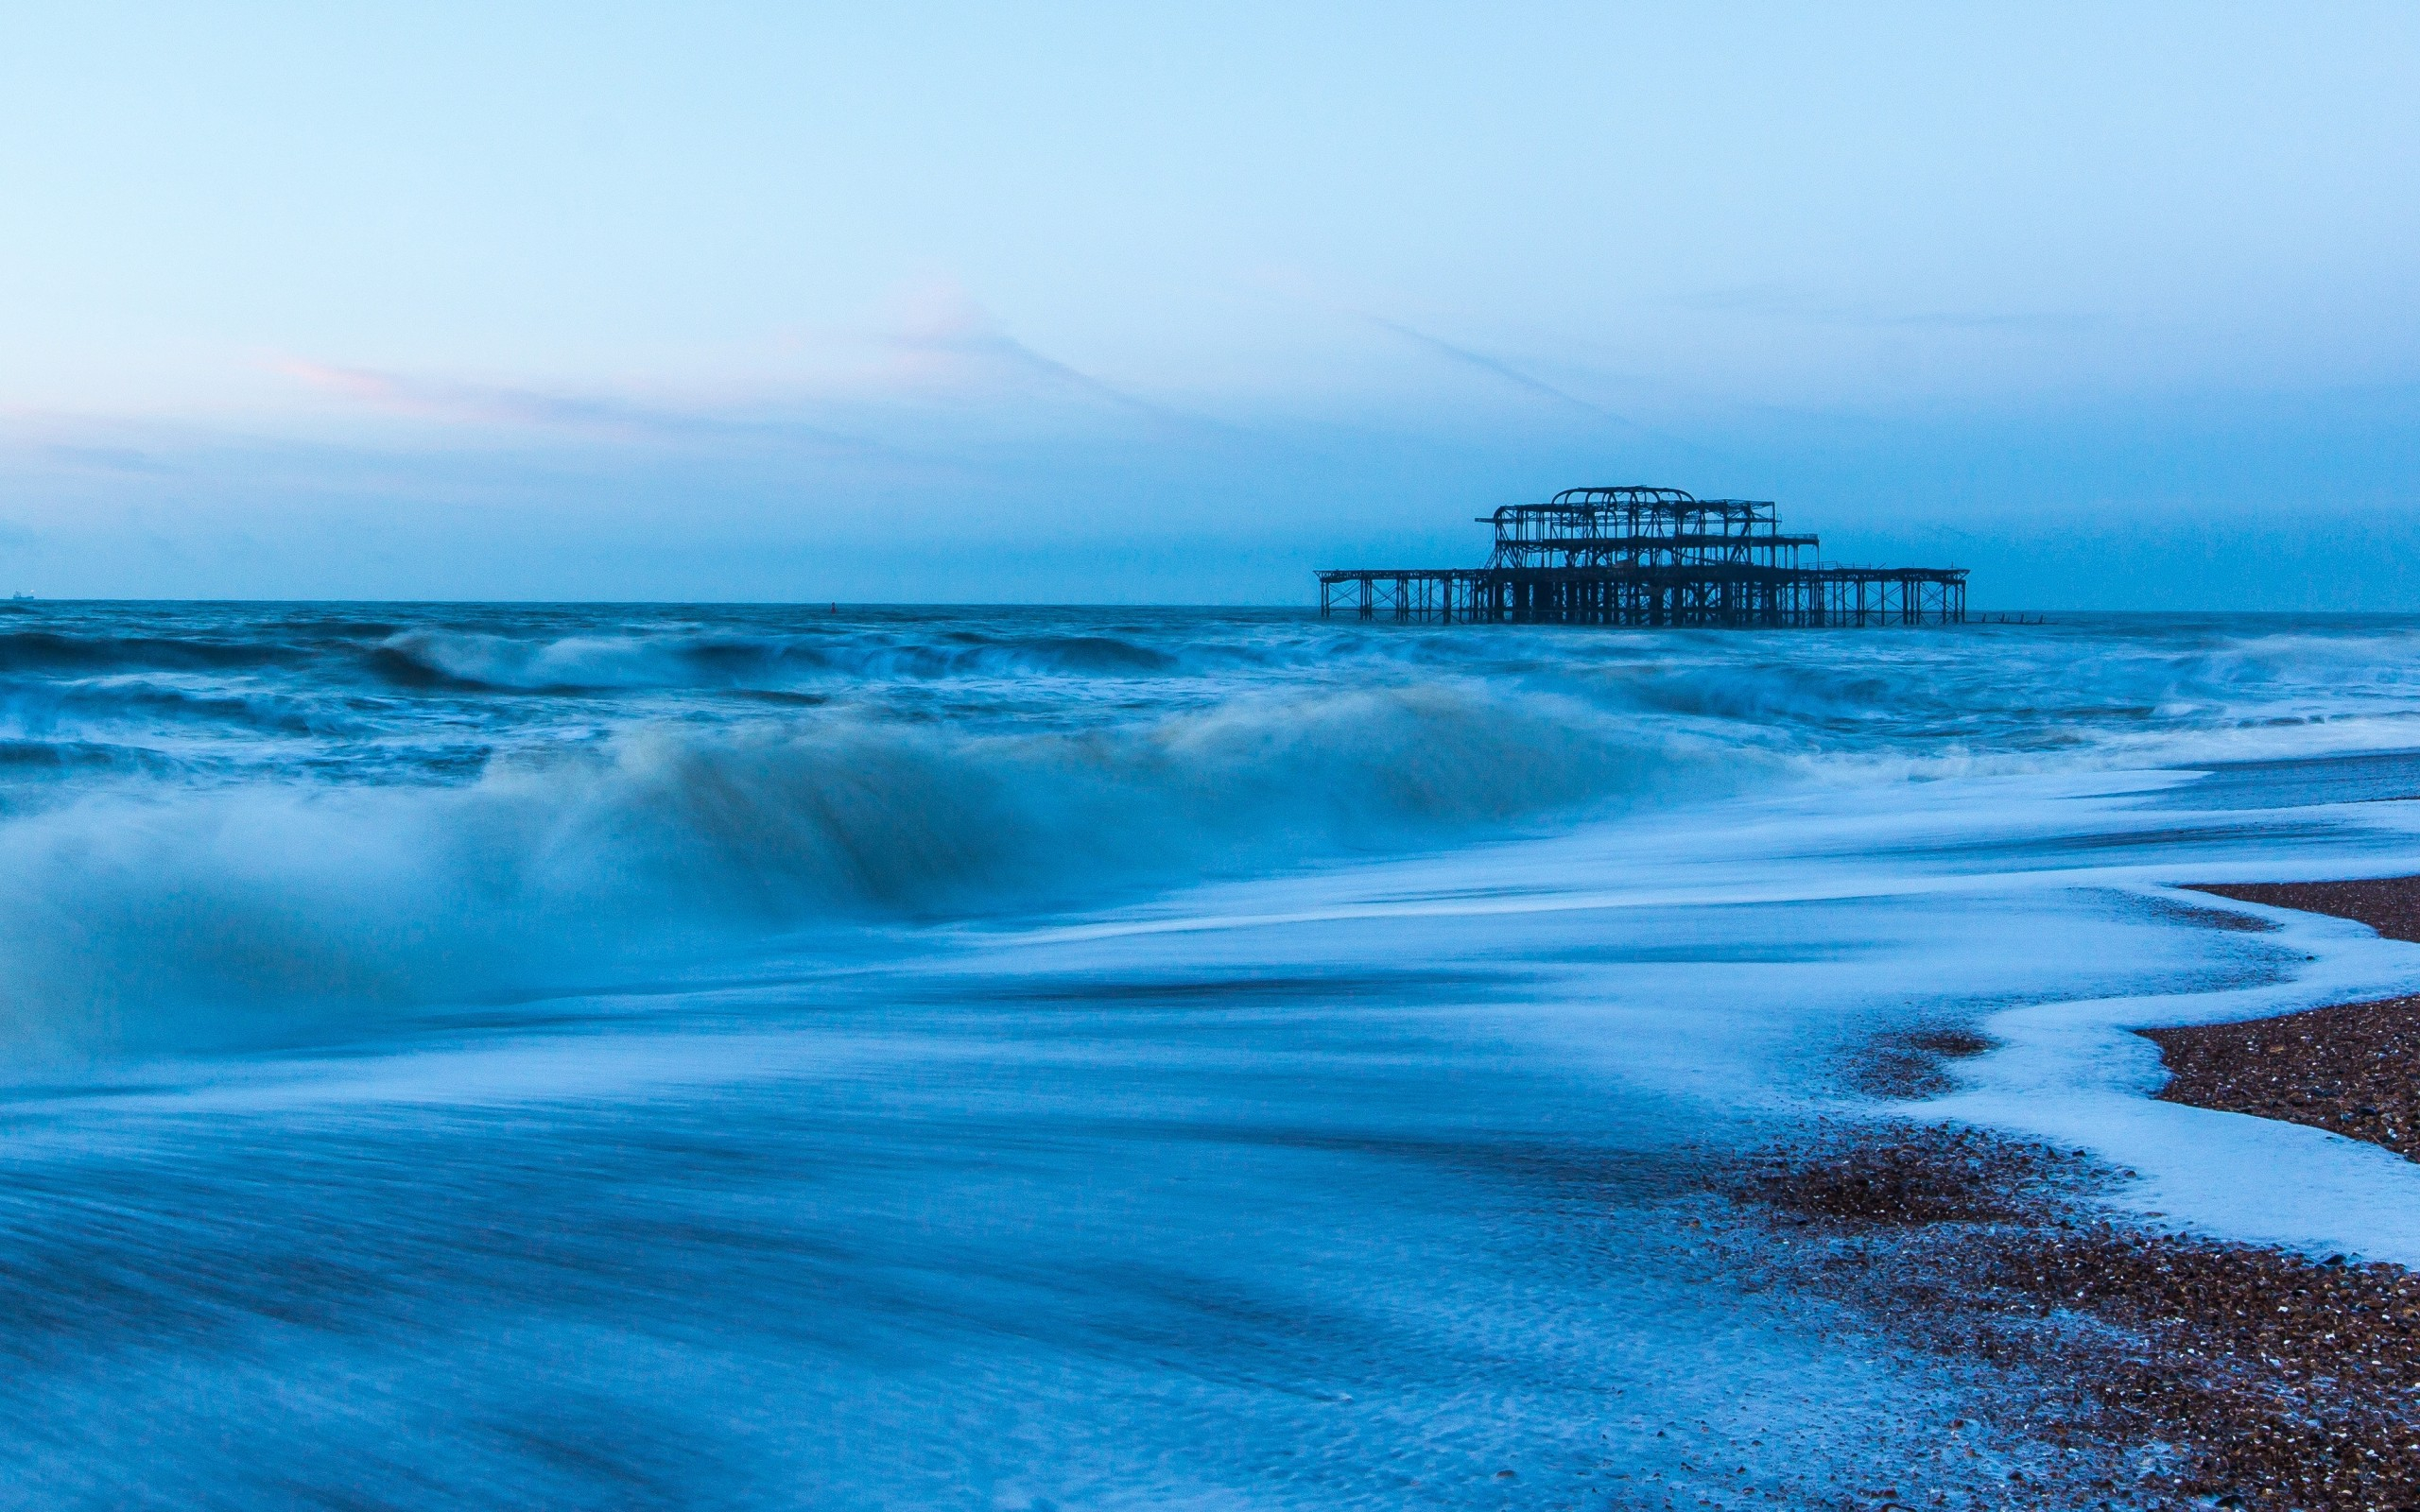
column 2115, row 305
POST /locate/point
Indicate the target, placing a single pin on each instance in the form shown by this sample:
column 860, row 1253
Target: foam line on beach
column 2076, row 1074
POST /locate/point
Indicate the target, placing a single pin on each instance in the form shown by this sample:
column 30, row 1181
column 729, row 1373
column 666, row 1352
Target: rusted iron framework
column 1649, row 557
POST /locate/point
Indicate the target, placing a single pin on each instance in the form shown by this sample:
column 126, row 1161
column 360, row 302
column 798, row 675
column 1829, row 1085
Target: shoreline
column 2148, row 1368
column 2391, row 905
column 2347, row 1068
column 2145, row 1368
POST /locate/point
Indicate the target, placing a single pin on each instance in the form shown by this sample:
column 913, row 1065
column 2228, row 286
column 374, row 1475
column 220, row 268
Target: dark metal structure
column 1644, row 556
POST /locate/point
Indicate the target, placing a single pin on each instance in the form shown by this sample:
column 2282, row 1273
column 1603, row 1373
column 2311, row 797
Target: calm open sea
column 611, row 1056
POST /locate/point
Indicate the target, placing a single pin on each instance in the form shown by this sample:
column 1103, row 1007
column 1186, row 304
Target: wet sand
column 2151, row 1369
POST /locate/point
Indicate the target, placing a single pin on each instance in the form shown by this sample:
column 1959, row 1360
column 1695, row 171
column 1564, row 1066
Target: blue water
column 605, row 1057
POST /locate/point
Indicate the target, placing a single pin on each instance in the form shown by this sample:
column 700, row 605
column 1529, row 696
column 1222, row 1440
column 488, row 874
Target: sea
column 612, row 1057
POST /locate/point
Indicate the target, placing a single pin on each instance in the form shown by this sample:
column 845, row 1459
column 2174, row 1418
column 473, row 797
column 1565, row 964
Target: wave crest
column 249, row 911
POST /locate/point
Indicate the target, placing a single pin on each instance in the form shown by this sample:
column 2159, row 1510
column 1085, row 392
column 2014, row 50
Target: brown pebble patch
column 1909, row 1063
column 1909, row 1175
column 2352, row 1070
column 2391, row 905
column 2165, row 1370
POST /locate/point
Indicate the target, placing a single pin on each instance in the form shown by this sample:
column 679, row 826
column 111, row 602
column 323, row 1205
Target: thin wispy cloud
column 1529, row 382
column 942, row 337
column 483, row 404
column 1787, row 304
column 108, row 458
column 939, row 343
column 459, row 402
column 1496, row 367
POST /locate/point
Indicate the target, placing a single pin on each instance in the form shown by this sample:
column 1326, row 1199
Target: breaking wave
column 144, row 921
column 454, row 659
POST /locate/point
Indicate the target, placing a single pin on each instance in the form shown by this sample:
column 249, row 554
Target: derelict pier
column 1649, row 557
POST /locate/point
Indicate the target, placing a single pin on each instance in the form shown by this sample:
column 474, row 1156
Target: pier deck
column 1795, row 597
column 1638, row 556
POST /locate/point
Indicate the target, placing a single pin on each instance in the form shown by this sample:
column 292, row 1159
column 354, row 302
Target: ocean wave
column 60, row 755
column 474, row 661
column 195, row 916
column 50, row 651
column 2125, row 697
